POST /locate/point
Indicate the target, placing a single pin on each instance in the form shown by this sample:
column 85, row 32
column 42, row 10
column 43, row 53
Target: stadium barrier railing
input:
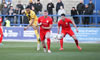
column 95, row 19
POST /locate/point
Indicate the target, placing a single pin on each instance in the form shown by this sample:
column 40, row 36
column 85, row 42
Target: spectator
column 87, row 12
column 4, row 11
column 33, row 9
column 11, row 12
column 39, row 5
column 16, row 12
column 61, row 11
column 59, row 3
column 2, row 5
column 7, row 22
column 80, row 8
column 9, row 4
column 32, row 3
column 20, row 7
column 74, row 12
column 50, row 7
column 91, row 7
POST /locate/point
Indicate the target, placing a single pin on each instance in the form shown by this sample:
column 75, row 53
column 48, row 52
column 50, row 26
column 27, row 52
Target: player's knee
column 74, row 37
column 47, row 35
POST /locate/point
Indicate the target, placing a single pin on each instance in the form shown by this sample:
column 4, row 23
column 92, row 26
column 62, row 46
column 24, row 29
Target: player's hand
column 39, row 24
column 77, row 30
column 43, row 27
column 25, row 28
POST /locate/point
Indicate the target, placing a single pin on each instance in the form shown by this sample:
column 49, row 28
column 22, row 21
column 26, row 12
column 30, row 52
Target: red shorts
column 43, row 35
column 70, row 32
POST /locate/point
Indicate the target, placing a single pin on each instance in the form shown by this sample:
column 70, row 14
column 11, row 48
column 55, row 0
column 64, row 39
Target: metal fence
column 94, row 20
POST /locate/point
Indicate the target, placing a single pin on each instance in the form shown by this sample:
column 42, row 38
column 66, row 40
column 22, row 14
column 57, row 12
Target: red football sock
column 1, row 38
column 61, row 43
column 48, row 43
column 76, row 41
column 44, row 47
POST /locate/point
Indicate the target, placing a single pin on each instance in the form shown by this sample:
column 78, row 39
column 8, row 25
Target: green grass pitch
column 27, row 51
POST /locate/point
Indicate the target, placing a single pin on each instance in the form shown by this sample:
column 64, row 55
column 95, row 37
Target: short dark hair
column 38, row 0
column 28, row 7
column 63, row 15
column 73, row 7
column 45, row 10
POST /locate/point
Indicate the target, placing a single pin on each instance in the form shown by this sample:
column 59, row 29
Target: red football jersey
column 46, row 22
column 0, row 21
column 65, row 24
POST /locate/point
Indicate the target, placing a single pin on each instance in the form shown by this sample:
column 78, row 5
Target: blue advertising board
column 84, row 34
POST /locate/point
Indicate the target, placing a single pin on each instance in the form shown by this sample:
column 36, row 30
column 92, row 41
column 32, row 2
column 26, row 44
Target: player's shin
column 1, row 38
column 44, row 46
column 48, row 43
column 77, row 44
column 38, row 40
column 61, row 43
column 76, row 41
column 38, row 37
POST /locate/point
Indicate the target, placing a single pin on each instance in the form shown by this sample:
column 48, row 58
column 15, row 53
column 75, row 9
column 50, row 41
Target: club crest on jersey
column 47, row 21
column 66, row 23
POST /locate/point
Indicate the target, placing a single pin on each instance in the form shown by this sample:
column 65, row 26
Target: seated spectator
column 61, row 11
column 74, row 12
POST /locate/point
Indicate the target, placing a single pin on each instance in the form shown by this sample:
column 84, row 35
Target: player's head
column 45, row 13
column 28, row 9
column 63, row 16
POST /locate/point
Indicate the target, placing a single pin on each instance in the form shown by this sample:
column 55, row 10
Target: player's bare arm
column 31, row 24
column 47, row 27
column 58, row 29
column 75, row 26
column 39, row 24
